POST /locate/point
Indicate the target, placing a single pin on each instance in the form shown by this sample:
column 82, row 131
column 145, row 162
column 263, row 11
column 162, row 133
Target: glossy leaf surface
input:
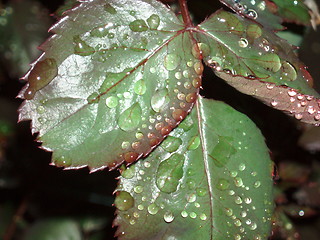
column 110, row 89
column 210, row 179
column 258, row 63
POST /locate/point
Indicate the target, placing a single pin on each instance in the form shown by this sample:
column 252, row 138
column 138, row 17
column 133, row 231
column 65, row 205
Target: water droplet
column 153, row 209
column 201, row 192
column 237, row 237
column 248, row 200
column 229, row 212
column 198, row 68
column 184, row 214
column 194, row 143
column 252, row 14
column 289, row 73
column 140, row 87
column 238, row 200
column 82, row 48
column 203, row 216
column 125, row 145
column 110, row 9
column 124, row 201
column 140, row 207
column 168, row 217
column 128, row 172
column 179, row 114
column 191, row 198
column 160, row 100
column 153, row 21
column 130, row 118
column 40, row 76
column 243, row 214
column 63, row 162
column 237, row 222
column 242, row 167
column 191, row 97
column 223, row 184
column 200, row 49
column 196, row 82
column 169, row 172
column 138, row 25
column 238, row 182
column 193, row 215
column 253, row 226
column 257, row 184
column 269, row 61
column 171, row 144
column 138, row 189
column 243, row 42
column 171, row 61
column 147, row 164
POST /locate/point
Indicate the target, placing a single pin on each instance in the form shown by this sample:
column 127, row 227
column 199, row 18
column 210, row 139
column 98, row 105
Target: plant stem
column 185, row 13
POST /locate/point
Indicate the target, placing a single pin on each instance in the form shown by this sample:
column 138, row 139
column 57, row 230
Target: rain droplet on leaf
column 138, row 25
column 130, row 118
column 153, row 21
column 124, row 201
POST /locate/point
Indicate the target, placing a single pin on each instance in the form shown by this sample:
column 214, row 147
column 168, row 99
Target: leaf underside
column 112, row 87
column 210, row 179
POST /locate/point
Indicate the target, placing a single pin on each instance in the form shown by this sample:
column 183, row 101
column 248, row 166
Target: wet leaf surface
column 109, row 90
column 257, row 62
column 215, row 185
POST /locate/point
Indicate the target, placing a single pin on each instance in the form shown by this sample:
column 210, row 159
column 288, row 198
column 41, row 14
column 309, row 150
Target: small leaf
column 257, row 62
column 115, row 79
column 220, row 188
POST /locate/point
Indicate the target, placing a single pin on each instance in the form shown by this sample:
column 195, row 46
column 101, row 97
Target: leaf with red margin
column 115, row 78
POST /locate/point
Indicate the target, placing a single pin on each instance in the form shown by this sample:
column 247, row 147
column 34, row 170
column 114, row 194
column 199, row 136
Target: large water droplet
column 238, row 182
column 153, row 21
column 171, row 61
column 130, row 118
column 289, row 73
column 160, row 100
column 194, row 143
column 82, row 48
column 153, row 209
column 168, row 217
column 223, row 184
column 124, row 201
column 128, row 172
column 140, row 87
column 243, row 42
column 269, row 61
column 138, row 25
column 63, row 162
column 112, row 102
column 169, row 172
column 40, row 76
column 171, row 144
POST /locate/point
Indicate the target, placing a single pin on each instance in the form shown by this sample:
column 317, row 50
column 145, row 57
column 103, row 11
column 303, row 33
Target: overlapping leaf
column 210, row 179
column 115, row 79
column 271, row 13
column 258, row 63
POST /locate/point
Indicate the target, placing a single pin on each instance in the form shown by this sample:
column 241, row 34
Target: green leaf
column 116, row 77
column 258, row 63
column 23, row 26
column 215, row 185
